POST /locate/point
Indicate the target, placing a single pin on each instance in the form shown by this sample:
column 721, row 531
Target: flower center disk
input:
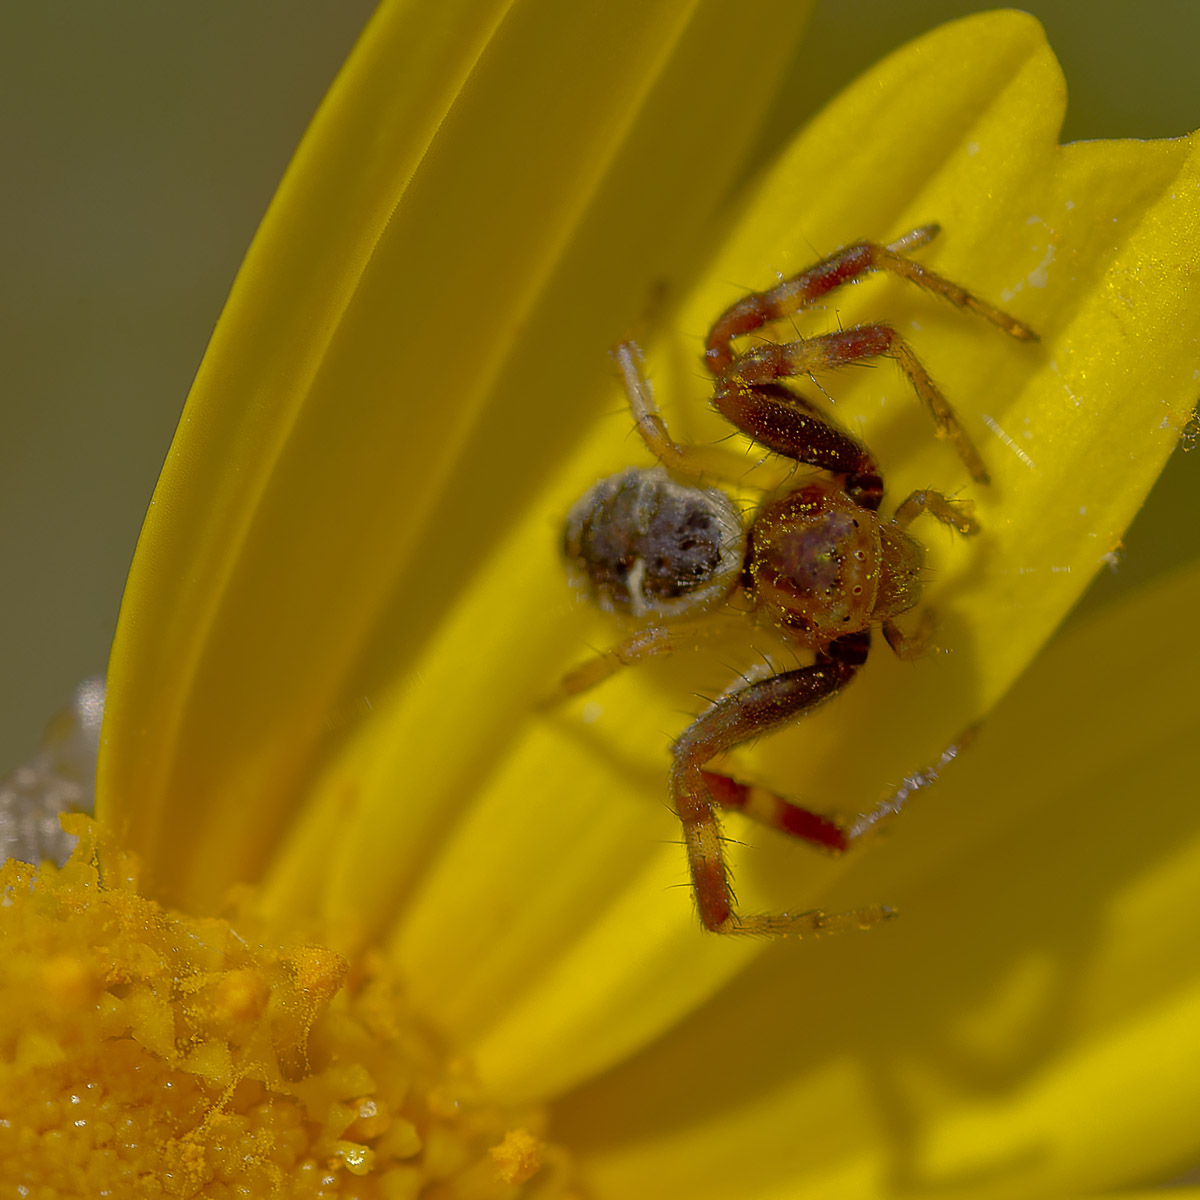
column 147, row 1052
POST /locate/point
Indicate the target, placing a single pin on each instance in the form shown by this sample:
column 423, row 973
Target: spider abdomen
column 641, row 544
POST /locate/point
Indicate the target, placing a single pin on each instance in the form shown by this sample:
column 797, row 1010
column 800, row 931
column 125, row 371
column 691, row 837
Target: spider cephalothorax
column 816, row 563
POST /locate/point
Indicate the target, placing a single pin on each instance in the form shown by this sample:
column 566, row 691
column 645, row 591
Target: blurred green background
column 141, row 142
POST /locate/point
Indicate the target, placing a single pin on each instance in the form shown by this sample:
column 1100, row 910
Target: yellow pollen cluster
column 148, row 1053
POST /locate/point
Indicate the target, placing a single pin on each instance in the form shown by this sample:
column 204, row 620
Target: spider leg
column 790, row 425
column 776, row 812
column 958, row 516
column 940, row 507
column 652, row 641
column 771, row 361
column 740, row 717
column 695, row 463
column 910, row 646
column 642, row 405
column 845, row 266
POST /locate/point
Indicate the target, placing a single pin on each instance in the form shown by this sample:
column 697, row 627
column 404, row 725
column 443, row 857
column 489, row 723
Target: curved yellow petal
column 482, row 202
column 1028, row 1027
column 363, row 148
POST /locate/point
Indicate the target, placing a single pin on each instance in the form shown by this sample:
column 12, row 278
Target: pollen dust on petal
column 145, row 1053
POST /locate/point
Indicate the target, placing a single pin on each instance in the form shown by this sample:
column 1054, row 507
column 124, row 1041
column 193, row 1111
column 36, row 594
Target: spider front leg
column 790, row 425
column 741, row 717
column 772, row 361
column 847, row 265
column 806, row 355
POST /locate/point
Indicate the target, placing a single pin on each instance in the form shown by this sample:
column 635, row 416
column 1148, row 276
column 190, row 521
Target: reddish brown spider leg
column 740, row 717
column 792, row 426
column 773, row 361
column 775, row 812
column 844, row 266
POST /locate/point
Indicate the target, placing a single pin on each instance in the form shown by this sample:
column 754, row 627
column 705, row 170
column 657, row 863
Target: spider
column 816, row 562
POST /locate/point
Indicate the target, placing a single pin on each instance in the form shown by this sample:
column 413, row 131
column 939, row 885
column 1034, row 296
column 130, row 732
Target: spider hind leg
column 740, row 717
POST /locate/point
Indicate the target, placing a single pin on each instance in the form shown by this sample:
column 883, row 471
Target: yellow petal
column 1027, row 1029
column 477, row 209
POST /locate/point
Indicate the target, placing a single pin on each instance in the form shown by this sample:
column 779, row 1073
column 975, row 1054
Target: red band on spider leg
column 728, row 793
column 711, row 886
column 755, row 310
column 810, row 826
column 775, row 812
column 830, row 273
column 702, row 838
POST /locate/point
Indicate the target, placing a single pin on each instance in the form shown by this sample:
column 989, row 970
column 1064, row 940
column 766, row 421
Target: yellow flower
column 346, row 602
